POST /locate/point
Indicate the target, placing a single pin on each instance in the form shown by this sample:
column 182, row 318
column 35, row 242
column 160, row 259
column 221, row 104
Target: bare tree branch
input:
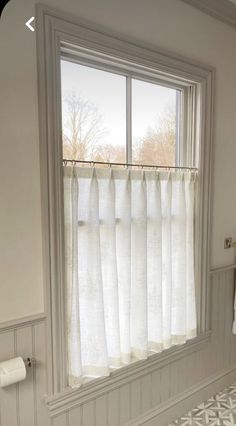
column 157, row 147
column 82, row 127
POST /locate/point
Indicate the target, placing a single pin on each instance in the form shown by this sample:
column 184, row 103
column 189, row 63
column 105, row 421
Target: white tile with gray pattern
column 219, row 410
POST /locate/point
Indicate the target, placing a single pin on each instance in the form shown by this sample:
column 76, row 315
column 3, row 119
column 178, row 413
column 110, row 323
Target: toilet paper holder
column 14, row 370
column 228, row 243
column 29, row 362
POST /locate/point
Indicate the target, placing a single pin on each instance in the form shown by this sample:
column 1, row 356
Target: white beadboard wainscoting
column 153, row 399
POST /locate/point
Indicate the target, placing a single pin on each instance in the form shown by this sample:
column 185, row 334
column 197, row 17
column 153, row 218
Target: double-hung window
column 130, row 194
column 125, row 168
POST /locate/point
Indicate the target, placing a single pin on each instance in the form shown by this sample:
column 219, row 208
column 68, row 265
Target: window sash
column 185, row 136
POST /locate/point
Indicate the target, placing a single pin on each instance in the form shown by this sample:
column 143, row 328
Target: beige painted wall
column 168, row 24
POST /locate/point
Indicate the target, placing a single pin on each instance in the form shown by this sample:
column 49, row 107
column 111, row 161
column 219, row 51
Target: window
column 119, row 229
column 129, row 233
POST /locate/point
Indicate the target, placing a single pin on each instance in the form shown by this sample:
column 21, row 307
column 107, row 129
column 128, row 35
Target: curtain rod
column 92, row 163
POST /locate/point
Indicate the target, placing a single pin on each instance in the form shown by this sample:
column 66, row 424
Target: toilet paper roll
column 12, row 371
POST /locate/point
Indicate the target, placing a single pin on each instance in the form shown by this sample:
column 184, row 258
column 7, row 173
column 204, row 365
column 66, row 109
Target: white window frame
column 57, row 31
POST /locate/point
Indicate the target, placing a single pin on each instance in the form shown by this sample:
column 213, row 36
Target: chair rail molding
column 223, row 10
column 22, row 322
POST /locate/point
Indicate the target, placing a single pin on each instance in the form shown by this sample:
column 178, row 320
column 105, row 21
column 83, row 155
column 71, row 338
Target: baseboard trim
column 170, row 410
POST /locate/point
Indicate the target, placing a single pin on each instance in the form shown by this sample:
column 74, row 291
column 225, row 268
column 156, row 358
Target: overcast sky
column 107, row 91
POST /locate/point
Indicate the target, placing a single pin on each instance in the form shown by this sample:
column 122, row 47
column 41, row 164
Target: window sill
column 71, row 397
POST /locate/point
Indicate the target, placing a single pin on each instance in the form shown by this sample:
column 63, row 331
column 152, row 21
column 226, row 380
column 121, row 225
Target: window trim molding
column 54, row 28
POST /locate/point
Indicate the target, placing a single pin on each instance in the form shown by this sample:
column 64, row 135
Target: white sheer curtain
column 129, row 249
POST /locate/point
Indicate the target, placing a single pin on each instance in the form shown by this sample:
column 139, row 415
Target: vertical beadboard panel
column 75, row 417
column 221, row 317
column 228, row 319
column 124, row 404
column 88, row 414
column 135, row 398
column 173, row 379
column 198, row 367
column 214, row 320
column 177, row 378
column 25, row 389
column 190, row 366
column 8, row 396
column 205, row 361
column 165, row 382
column 156, row 388
column 146, row 393
column 61, row 420
column 101, row 411
column 40, row 373
column 233, row 336
column 113, row 408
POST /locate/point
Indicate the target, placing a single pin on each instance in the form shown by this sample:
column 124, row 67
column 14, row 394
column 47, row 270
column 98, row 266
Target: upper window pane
column 93, row 113
column 154, row 123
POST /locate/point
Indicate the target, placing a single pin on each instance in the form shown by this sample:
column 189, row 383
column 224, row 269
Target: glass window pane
column 154, row 123
column 93, row 113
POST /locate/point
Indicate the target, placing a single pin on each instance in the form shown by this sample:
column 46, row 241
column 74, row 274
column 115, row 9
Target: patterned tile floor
column 219, row 410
